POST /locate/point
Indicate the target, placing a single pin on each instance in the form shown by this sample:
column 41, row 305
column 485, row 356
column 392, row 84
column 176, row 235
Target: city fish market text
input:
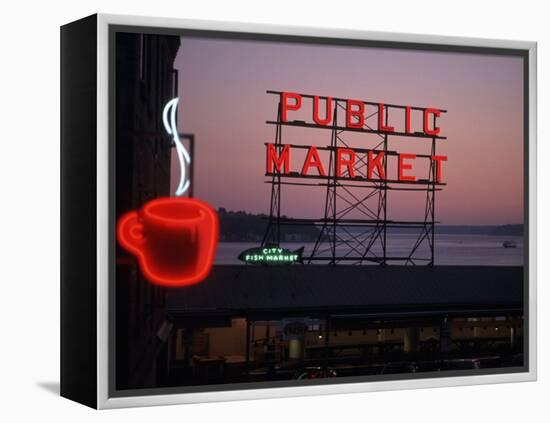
column 271, row 255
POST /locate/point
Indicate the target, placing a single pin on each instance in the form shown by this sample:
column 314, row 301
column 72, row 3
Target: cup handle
column 130, row 232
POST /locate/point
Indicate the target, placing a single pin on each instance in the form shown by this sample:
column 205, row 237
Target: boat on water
column 509, row 244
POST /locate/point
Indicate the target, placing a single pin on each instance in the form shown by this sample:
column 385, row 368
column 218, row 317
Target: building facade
column 145, row 82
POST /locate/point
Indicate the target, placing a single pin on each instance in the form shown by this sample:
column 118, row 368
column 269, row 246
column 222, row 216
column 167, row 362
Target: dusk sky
column 223, row 101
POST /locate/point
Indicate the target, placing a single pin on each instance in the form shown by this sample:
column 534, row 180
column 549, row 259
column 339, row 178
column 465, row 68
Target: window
column 142, row 59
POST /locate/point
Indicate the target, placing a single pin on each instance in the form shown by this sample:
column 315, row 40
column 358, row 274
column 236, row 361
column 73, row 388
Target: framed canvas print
column 255, row 211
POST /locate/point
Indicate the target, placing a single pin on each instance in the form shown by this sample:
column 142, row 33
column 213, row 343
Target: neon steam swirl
column 169, row 121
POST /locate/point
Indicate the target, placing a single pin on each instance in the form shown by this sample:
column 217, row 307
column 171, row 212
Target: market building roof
column 309, row 289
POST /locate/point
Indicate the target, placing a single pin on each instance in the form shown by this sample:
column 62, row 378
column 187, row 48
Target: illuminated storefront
column 248, row 331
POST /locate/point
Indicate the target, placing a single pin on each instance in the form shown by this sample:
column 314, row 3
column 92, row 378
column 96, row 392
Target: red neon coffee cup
column 174, row 239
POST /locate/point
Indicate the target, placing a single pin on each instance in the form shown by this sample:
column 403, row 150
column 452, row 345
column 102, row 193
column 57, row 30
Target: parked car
column 314, row 373
column 398, row 367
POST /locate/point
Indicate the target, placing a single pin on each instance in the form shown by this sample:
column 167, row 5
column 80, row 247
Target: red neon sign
column 174, row 240
column 357, row 113
column 348, row 161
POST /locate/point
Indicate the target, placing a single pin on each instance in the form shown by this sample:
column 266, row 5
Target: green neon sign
column 271, row 256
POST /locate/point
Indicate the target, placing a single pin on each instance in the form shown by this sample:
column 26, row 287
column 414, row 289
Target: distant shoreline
column 240, row 226
column 493, row 230
column 503, row 238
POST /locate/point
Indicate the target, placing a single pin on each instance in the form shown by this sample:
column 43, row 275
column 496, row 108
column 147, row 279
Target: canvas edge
column 103, row 399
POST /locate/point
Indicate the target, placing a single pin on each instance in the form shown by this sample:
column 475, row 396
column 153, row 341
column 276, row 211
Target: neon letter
column 282, row 161
column 373, row 163
column 349, row 162
column 427, row 113
column 381, row 125
column 286, row 106
column 405, row 166
column 328, row 113
column 408, row 119
column 313, row 160
column 438, row 160
column 359, row 114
